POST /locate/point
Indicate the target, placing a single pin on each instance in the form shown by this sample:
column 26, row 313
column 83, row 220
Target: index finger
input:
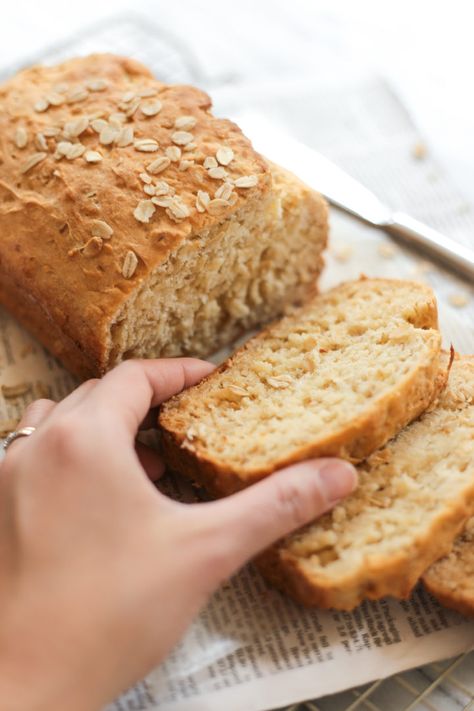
column 130, row 390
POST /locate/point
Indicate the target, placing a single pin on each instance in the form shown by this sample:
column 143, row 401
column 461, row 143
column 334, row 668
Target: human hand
column 100, row 573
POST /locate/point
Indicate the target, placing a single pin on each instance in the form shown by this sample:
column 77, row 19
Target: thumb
column 253, row 519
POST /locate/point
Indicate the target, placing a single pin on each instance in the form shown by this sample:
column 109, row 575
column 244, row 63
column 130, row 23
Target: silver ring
column 23, row 432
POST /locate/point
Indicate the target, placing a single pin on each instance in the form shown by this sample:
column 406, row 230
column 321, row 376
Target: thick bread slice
column 414, row 497
column 338, row 377
column 451, row 579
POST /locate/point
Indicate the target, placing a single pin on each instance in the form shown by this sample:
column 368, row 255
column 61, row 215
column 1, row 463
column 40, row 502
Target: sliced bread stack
column 414, row 496
column 342, row 376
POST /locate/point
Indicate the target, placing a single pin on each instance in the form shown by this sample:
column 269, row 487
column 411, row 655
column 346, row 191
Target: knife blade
column 347, row 193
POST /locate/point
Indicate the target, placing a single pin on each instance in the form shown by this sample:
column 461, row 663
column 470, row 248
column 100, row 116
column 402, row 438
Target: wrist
column 36, row 677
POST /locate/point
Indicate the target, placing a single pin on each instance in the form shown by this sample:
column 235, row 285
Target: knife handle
column 433, row 243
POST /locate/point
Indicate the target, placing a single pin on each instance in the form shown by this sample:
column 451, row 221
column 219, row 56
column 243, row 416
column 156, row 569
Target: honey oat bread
column 451, row 579
column 133, row 223
column 338, row 377
column 414, row 497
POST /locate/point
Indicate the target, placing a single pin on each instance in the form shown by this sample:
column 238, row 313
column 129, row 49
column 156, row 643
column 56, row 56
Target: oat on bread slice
column 451, row 579
column 414, row 497
column 338, row 377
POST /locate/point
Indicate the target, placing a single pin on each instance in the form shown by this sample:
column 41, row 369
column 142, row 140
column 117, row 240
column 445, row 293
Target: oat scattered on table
column 458, row 299
column 342, row 253
column 42, row 390
column 419, row 151
column 387, row 251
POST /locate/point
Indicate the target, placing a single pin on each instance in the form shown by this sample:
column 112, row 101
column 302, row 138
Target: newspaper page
column 251, row 649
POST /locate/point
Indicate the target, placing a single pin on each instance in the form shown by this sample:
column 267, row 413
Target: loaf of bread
column 338, row 377
column 451, row 579
column 133, row 223
column 414, row 497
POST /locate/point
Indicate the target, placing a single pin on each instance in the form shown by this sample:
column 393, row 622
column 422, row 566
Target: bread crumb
column 387, row 251
column 342, row 253
column 424, row 266
column 421, row 269
column 458, row 299
column 419, row 151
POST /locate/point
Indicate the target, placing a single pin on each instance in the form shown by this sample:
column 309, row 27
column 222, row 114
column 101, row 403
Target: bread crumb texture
column 135, row 223
column 339, row 376
column 451, row 579
column 414, row 497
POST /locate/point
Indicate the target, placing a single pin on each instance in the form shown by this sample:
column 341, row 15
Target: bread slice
column 338, row 377
column 414, row 497
column 451, row 579
column 135, row 224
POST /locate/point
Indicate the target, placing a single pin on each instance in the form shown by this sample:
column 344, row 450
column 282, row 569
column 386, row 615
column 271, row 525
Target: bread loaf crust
column 355, row 441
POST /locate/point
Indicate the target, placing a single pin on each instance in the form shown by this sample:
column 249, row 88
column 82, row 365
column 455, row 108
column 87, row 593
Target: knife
column 348, row 194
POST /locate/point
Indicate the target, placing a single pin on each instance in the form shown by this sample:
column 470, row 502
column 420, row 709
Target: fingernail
column 338, row 479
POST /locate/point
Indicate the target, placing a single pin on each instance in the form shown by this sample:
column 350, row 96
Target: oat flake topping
column 130, row 263
column 144, row 211
column 117, row 130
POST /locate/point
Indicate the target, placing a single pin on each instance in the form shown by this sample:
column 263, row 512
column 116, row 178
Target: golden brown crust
column 354, row 441
column 28, row 312
column 381, row 575
column 47, row 212
column 451, row 579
